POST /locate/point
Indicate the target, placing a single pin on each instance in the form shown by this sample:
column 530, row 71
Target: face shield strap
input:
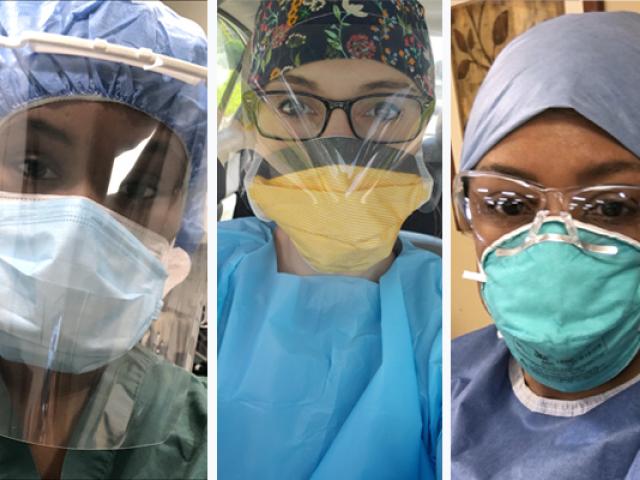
column 534, row 237
column 99, row 49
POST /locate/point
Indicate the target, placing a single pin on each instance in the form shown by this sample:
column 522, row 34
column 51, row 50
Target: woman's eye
column 138, row 190
column 36, row 169
column 612, row 209
column 507, row 206
column 384, row 111
column 294, row 108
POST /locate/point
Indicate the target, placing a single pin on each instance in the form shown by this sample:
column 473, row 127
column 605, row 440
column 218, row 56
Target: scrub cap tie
column 587, row 62
column 291, row 33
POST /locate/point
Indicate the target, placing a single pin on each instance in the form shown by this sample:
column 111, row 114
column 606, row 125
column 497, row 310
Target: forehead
column 89, row 124
column 78, row 118
column 561, row 148
column 344, row 78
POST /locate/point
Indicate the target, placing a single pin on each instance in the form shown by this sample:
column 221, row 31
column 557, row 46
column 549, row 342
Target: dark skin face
column 561, row 149
column 110, row 153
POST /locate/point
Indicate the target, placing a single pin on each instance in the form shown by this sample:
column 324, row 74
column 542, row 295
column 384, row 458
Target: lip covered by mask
column 569, row 316
column 342, row 201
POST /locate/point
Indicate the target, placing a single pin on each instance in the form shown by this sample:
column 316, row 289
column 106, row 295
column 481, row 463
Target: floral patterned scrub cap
column 291, row 33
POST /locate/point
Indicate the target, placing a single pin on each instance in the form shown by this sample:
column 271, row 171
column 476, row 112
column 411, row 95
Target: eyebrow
column 607, row 169
column 300, row 81
column 41, row 126
column 507, row 170
column 588, row 175
column 388, row 84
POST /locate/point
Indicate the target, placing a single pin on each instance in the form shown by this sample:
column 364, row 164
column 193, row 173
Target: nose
column 338, row 125
column 555, row 203
column 86, row 188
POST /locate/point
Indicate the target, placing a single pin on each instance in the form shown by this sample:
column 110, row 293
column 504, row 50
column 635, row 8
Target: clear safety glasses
column 388, row 118
column 492, row 205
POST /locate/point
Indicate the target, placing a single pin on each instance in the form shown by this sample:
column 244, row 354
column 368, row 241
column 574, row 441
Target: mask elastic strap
column 478, row 276
column 474, row 276
column 178, row 265
column 534, row 237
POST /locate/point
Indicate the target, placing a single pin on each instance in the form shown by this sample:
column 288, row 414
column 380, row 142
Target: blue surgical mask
column 79, row 285
column 566, row 298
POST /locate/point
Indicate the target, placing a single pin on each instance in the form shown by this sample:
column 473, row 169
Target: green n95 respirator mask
column 565, row 296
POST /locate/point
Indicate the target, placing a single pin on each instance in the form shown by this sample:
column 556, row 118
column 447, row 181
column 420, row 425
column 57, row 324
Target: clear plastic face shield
column 333, row 121
column 111, row 154
column 93, row 194
column 338, row 175
column 355, row 186
column 493, row 206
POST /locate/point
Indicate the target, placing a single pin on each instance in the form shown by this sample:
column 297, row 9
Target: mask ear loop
column 177, row 263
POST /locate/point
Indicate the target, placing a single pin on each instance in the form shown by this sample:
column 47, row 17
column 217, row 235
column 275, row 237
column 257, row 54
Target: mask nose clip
column 534, row 236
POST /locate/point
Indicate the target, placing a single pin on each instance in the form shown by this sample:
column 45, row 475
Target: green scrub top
column 182, row 455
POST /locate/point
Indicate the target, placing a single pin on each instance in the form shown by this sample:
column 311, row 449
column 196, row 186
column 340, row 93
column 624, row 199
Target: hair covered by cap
column 27, row 77
column 586, row 62
column 291, row 33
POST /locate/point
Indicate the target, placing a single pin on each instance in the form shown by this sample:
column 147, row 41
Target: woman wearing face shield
column 328, row 324
column 102, row 191
column 550, row 190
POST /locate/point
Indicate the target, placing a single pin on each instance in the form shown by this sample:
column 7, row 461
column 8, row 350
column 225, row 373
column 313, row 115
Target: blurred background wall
column 195, row 10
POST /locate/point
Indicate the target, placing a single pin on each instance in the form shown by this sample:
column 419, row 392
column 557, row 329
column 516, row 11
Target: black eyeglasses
column 382, row 118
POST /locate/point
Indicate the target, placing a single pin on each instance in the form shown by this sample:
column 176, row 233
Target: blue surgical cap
column 28, row 77
column 589, row 63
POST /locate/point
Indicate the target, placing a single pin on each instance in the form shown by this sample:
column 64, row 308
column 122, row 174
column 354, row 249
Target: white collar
column 554, row 407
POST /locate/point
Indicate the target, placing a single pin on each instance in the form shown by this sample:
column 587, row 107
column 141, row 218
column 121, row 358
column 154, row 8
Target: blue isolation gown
column 326, row 377
column 499, row 430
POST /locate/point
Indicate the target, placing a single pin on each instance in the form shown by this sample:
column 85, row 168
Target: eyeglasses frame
column 427, row 106
column 459, row 193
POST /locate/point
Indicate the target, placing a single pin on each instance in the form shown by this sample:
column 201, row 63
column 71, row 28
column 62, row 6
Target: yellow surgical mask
column 341, row 218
